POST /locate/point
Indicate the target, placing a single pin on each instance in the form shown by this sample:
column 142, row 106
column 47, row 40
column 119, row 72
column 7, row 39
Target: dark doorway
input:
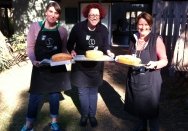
column 123, row 18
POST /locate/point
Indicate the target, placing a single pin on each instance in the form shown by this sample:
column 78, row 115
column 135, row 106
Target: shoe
column 83, row 121
column 24, row 128
column 54, row 126
column 93, row 121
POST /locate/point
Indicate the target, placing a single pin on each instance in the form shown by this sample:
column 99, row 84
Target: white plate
column 83, row 58
column 52, row 63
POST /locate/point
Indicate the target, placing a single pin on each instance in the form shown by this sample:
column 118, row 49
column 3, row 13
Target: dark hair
column 55, row 5
column 101, row 9
column 145, row 16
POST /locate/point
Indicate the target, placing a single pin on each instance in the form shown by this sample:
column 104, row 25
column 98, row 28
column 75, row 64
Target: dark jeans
column 35, row 101
column 153, row 125
column 88, row 100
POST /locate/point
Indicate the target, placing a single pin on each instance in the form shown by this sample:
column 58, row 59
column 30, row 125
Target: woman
column 87, row 76
column 143, row 87
column 44, row 39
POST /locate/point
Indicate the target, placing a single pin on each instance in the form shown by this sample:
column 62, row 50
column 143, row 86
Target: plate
column 52, row 63
column 83, row 58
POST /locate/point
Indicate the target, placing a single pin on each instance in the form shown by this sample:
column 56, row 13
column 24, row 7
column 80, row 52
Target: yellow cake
column 129, row 60
column 94, row 54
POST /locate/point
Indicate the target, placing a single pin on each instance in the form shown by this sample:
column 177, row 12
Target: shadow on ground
column 112, row 100
column 18, row 117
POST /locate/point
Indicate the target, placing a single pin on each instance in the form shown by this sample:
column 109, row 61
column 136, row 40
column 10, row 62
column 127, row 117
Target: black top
column 87, row 40
column 81, row 39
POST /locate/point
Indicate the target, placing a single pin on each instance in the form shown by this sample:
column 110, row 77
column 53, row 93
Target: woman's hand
column 151, row 65
column 36, row 63
column 73, row 53
column 109, row 53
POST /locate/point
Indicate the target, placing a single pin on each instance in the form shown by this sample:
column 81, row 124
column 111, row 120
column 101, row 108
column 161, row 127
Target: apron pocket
column 139, row 87
column 89, row 64
column 141, row 78
column 56, row 69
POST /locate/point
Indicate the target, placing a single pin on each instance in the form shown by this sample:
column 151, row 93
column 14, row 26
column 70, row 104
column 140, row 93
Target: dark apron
column 143, row 90
column 87, row 74
column 46, row 79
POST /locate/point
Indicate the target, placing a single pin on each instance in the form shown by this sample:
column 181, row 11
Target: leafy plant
column 10, row 49
column 4, row 59
column 18, row 42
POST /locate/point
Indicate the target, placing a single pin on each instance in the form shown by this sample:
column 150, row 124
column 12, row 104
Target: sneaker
column 24, row 128
column 54, row 126
column 93, row 121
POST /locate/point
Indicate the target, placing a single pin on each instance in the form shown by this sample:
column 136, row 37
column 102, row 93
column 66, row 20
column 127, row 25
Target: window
column 71, row 15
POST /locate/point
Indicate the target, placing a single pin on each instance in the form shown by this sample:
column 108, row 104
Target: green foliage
column 8, row 51
column 18, row 42
column 4, row 60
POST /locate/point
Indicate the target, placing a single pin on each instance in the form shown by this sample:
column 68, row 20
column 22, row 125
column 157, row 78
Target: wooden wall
column 168, row 16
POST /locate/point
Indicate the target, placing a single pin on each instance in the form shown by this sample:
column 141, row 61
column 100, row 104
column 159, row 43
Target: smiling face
column 143, row 27
column 52, row 15
column 93, row 17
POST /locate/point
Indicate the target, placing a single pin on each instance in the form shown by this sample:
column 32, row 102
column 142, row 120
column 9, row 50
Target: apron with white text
column 46, row 79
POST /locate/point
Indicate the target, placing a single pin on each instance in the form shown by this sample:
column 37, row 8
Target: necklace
column 140, row 46
column 91, row 29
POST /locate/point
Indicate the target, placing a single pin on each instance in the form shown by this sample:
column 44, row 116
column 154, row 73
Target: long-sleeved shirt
column 81, row 39
column 34, row 29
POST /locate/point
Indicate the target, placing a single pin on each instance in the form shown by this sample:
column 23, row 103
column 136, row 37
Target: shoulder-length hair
column 55, row 5
column 145, row 16
column 98, row 6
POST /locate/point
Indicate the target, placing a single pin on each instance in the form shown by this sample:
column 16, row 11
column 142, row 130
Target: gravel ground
column 14, row 84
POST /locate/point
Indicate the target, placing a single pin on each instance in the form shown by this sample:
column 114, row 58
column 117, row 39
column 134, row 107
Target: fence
column 170, row 21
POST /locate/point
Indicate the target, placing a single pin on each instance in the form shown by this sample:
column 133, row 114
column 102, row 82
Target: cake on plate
column 128, row 60
column 94, row 54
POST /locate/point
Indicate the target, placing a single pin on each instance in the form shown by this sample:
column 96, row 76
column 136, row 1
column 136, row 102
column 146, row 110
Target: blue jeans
column 36, row 99
column 88, row 97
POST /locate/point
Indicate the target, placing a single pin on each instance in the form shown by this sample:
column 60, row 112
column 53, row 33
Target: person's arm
column 31, row 40
column 71, row 42
column 161, row 54
column 106, row 43
column 63, row 34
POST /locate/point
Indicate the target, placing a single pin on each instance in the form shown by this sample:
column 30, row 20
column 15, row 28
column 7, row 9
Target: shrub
column 4, row 58
column 9, row 49
column 18, row 42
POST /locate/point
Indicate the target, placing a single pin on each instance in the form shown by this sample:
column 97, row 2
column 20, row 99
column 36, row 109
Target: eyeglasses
column 94, row 16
